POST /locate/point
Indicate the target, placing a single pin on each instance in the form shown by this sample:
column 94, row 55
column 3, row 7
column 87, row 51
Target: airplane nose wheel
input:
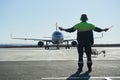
column 67, row 47
column 58, row 46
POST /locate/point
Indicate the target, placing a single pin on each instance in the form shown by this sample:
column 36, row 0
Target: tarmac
column 41, row 64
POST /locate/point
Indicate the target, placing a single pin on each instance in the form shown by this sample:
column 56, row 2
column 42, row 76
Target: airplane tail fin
column 56, row 26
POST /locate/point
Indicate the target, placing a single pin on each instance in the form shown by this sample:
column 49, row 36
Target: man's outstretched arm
column 68, row 30
column 100, row 30
column 73, row 29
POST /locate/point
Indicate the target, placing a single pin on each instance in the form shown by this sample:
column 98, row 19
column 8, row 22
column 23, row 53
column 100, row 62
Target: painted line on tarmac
column 59, row 60
column 64, row 78
column 107, row 78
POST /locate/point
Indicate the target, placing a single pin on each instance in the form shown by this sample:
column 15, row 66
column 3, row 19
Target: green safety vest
column 84, row 26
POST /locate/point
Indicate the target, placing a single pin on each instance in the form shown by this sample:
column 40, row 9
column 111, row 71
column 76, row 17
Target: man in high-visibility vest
column 84, row 39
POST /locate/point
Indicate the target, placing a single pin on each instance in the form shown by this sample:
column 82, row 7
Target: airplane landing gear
column 67, row 47
column 46, row 47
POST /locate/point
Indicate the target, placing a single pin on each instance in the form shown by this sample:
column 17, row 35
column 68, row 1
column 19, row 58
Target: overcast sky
column 37, row 18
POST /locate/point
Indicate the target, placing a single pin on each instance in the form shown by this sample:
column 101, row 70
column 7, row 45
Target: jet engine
column 40, row 44
column 74, row 43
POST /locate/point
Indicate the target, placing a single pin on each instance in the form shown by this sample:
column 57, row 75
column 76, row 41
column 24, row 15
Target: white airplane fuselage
column 57, row 37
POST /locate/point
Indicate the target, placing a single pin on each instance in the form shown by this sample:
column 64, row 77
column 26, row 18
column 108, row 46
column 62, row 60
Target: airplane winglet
column 102, row 35
column 11, row 35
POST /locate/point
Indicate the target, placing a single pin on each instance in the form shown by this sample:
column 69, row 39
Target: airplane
column 57, row 39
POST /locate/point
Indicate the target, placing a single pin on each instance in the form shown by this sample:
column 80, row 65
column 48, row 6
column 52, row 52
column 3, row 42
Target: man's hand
column 106, row 29
column 61, row 28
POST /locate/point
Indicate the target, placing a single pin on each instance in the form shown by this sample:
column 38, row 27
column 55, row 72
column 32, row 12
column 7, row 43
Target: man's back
column 85, row 37
column 84, row 26
column 84, row 32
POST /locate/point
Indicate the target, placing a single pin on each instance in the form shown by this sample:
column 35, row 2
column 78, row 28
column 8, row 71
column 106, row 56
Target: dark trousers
column 87, row 49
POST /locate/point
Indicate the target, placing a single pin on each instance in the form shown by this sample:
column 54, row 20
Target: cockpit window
column 57, row 33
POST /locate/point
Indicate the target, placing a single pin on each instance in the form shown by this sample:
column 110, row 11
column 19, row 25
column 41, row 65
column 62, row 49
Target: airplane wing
column 69, row 40
column 101, row 36
column 33, row 39
column 48, row 40
column 65, row 40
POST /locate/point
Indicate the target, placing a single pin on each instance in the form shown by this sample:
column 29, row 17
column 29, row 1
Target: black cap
column 84, row 17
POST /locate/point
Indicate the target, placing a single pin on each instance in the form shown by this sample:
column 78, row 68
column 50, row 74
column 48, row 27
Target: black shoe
column 89, row 69
column 89, row 65
column 79, row 70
